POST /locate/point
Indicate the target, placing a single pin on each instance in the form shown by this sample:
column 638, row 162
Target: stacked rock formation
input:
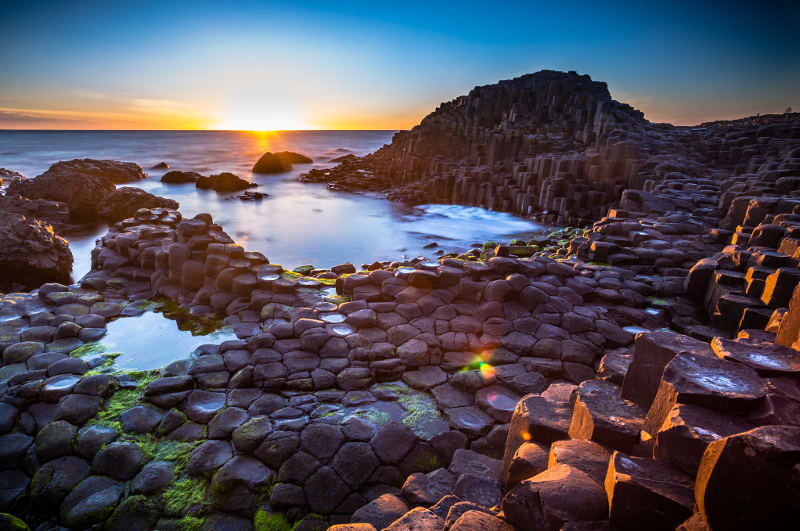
column 38, row 211
column 550, row 144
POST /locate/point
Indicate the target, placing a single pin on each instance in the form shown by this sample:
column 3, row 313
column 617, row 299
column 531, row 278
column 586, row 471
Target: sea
column 298, row 223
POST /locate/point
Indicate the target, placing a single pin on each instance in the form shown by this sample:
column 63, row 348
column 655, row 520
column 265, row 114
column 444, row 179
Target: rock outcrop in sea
column 636, row 373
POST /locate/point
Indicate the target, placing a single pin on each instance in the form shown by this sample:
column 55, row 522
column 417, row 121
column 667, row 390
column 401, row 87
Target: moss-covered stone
column 267, row 521
column 9, row 522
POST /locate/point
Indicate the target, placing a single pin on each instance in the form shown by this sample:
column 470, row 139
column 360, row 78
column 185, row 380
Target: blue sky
column 263, row 65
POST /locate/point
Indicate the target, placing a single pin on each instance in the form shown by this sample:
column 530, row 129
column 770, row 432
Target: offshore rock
column 126, row 200
column 82, row 193
column 111, row 170
column 224, row 182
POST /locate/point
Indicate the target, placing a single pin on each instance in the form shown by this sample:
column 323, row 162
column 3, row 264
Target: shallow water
column 151, row 341
column 299, row 223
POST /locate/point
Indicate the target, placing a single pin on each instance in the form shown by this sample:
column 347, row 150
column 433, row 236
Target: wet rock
column 755, row 469
column 709, row 382
column 469, row 419
column 767, row 358
column 55, row 479
column 208, row 457
column 498, row 401
column 13, row 447
column 92, row 438
column 55, row 440
column 239, row 484
column 91, row 502
column 201, row 406
column 77, row 409
column 247, row 437
column 639, row 488
column 102, row 385
column 121, row 460
column 153, row 477
column 652, row 352
column 381, row 511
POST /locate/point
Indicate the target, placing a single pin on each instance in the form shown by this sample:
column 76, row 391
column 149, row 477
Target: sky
column 265, row 65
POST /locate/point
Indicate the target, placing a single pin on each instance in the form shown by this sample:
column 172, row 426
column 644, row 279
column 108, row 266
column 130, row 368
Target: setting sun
column 255, row 119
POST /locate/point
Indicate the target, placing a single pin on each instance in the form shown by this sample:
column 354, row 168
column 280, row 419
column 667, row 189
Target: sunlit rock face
column 31, row 253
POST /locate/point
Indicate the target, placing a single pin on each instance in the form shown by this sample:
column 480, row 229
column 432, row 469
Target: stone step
column 600, row 415
column 647, row 493
column 706, row 381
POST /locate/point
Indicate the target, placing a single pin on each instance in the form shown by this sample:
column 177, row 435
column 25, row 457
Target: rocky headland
column 635, row 370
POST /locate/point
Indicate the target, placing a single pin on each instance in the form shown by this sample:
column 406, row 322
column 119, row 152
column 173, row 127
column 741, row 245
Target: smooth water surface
column 151, row 341
column 299, row 223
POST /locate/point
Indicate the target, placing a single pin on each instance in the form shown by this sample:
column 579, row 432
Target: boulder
column 82, row 193
column 180, row 177
column 224, row 182
column 112, row 170
column 271, row 163
column 290, row 157
column 126, row 200
column 31, row 253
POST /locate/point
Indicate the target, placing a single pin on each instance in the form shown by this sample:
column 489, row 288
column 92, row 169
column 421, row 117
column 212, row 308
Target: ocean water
column 298, row 223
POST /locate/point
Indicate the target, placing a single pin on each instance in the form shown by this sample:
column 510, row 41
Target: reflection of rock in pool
column 151, row 341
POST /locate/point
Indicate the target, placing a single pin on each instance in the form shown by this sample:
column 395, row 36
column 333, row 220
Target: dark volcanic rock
column 31, row 253
column 224, row 182
column 180, row 177
column 756, row 470
column 82, row 193
column 640, row 488
column 111, row 170
column 126, row 200
column 278, row 162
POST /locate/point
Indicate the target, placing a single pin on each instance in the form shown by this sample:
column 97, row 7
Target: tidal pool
column 149, row 341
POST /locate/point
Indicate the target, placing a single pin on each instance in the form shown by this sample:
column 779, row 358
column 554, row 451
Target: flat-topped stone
column 652, row 352
column 640, row 488
column 767, row 358
column 714, row 383
column 600, row 415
